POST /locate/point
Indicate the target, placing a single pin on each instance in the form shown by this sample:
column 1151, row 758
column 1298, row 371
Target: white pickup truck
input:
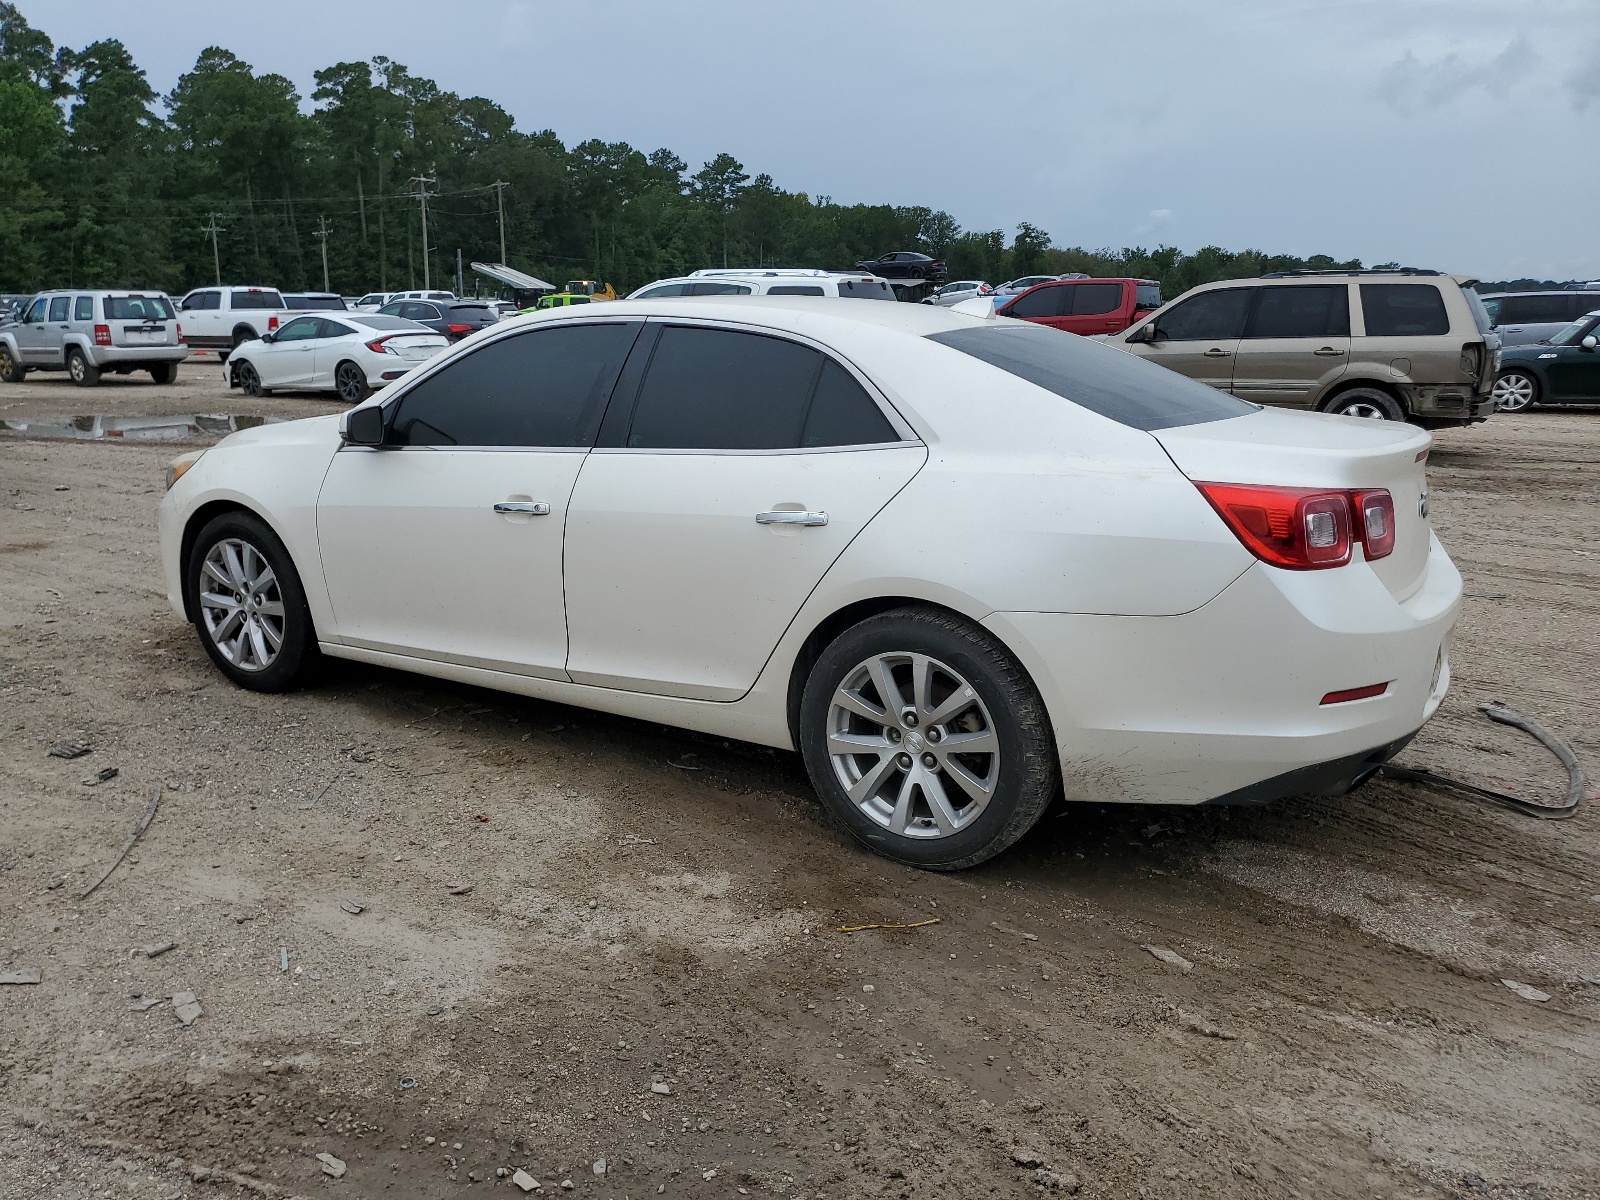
column 220, row 318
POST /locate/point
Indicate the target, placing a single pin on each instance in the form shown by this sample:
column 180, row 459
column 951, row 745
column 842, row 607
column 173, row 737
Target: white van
column 777, row 281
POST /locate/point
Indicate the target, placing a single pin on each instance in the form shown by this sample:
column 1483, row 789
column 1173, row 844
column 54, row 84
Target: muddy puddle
column 103, row 427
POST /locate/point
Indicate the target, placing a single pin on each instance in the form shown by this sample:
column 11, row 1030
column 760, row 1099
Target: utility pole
column 461, row 283
column 321, row 234
column 422, row 182
column 216, row 255
column 500, row 207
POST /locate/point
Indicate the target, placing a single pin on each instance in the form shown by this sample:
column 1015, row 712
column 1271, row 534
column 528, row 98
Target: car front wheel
column 248, row 604
column 927, row 740
column 10, row 370
column 1515, row 391
column 249, row 379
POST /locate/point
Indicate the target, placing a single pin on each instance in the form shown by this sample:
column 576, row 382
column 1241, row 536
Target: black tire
column 350, row 381
column 1025, row 780
column 297, row 656
column 11, row 371
column 249, row 379
column 1516, row 391
column 243, row 334
column 164, row 372
column 1366, row 402
column 83, row 372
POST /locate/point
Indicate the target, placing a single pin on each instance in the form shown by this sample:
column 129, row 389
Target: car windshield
column 1104, row 380
column 384, row 321
column 138, row 308
column 1574, row 333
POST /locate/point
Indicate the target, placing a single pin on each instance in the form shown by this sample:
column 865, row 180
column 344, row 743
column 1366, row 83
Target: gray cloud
column 1584, row 79
column 1411, row 85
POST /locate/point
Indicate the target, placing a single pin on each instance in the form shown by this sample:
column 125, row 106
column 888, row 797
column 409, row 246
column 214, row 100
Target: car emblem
column 1422, row 505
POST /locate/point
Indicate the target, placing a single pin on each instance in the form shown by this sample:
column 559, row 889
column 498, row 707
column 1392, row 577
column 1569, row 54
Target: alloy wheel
column 75, row 368
column 1361, row 408
column 912, row 745
column 248, row 378
column 1513, row 392
column 242, row 605
column 350, row 383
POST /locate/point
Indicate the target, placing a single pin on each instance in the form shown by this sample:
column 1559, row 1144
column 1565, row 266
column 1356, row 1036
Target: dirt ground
column 584, row 938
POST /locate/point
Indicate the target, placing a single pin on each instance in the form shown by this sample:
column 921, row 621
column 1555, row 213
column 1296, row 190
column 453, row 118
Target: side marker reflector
column 1360, row 693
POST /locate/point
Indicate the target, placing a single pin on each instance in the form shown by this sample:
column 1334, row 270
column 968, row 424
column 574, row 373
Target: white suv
column 776, row 281
column 88, row 332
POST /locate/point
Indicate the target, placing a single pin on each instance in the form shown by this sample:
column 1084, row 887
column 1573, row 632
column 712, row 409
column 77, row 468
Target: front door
column 1575, row 373
column 31, row 333
column 289, row 359
column 1199, row 336
column 1296, row 343
column 200, row 318
column 446, row 543
column 746, row 466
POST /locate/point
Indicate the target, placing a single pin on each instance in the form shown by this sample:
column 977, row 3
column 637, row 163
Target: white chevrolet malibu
column 962, row 564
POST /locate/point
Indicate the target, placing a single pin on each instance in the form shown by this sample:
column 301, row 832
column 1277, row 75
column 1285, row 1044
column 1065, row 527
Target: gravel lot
column 587, row 938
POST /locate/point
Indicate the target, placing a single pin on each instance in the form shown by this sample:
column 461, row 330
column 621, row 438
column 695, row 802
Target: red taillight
column 1304, row 529
column 376, row 345
column 102, row 335
column 459, row 328
column 181, row 342
column 1375, row 519
column 272, row 323
column 1360, row 693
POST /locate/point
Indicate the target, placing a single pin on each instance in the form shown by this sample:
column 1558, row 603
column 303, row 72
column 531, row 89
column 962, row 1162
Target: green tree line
column 105, row 183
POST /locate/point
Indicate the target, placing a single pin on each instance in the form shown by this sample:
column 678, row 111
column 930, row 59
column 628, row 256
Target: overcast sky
column 1456, row 134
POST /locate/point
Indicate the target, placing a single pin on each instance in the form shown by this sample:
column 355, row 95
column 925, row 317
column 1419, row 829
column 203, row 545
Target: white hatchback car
column 962, row 564
column 352, row 354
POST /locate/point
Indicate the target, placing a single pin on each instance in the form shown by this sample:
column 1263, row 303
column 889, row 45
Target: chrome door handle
column 791, row 518
column 522, row 506
column 1215, row 353
column 1328, row 352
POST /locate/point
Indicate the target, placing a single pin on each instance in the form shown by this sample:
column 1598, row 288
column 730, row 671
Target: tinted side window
column 58, row 307
column 865, row 289
column 1123, row 387
column 716, row 389
column 1038, row 303
column 716, row 289
column 795, row 289
column 842, row 414
column 333, row 329
column 1527, row 310
column 1313, row 312
column 1405, row 309
column 666, row 289
column 36, row 313
column 1095, row 299
column 83, row 308
column 1210, row 316
column 204, row 301
column 1147, row 296
column 300, row 329
column 544, row 388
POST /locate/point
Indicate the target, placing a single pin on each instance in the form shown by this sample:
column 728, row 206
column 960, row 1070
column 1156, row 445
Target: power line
column 216, row 255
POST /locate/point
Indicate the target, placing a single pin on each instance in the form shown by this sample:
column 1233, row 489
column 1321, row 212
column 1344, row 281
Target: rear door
column 714, row 503
column 1096, row 307
column 1197, row 337
column 200, row 314
column 1296, row 343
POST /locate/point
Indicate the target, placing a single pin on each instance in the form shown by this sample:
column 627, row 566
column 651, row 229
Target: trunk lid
column 140, row 320
column 417, row 347
column 1313, row 450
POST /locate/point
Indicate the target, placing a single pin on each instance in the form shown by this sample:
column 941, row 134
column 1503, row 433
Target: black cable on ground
column 1495, row 711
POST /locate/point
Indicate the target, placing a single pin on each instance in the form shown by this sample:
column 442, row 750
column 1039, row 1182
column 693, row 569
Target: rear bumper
column 1337, row 778
column 1224, row 703
column 126, row 356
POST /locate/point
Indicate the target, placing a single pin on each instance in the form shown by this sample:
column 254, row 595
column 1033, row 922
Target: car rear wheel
column 926, row 740
column 1515, row 391
column 249, row 379
column 248, row 604
column 164, row 372
column 11, row 371
column 82, row 372
column 1369, row 403
column 351, row 383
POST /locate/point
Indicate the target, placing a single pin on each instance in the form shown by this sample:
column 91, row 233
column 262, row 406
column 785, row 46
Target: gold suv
column 1404, row 345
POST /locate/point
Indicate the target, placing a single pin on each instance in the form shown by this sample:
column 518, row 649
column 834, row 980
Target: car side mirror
column 1145, row 333
column 1590, row 342
column 363, row 426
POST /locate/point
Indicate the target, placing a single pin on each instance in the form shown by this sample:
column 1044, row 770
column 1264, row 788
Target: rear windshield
column 322, row 303
column 384, row 321
column 137, row 308
column 1104, row 380
column 257, row 300
column 865, row 289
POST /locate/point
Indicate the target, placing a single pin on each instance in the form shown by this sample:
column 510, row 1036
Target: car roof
column 796, row 314
column 1538, row 292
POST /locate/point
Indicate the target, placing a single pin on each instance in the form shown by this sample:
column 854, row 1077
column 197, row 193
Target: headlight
column 177, row 467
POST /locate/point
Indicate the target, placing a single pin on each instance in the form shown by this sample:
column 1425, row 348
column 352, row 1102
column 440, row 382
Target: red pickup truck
column 1086, row 306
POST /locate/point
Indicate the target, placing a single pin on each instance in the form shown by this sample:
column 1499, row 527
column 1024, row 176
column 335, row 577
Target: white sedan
column 962, row 564
column 352, row 354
